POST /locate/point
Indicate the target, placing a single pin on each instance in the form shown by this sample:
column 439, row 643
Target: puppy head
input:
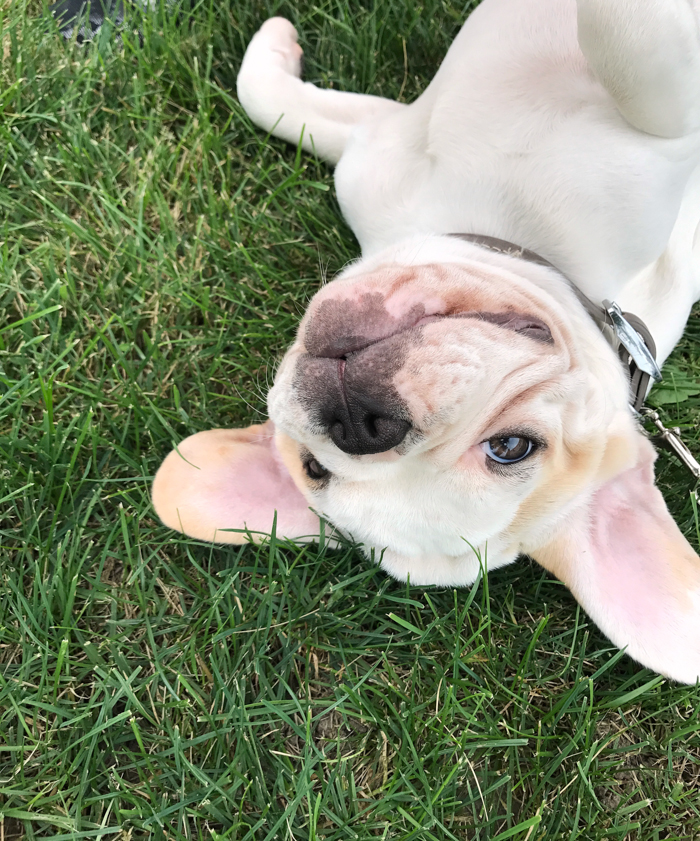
column 449, row 415
column 438, row 409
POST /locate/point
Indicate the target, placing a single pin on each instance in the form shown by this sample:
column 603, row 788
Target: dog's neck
column 626, row 333
column 602, row 362
column 510, row 249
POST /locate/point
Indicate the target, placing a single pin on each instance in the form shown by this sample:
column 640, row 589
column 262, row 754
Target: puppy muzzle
column 352, row 398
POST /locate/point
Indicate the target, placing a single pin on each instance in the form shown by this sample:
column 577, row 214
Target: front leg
column 647, row 54
column 274, row 97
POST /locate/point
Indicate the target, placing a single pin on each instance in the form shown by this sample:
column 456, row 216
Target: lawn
column 157, row 252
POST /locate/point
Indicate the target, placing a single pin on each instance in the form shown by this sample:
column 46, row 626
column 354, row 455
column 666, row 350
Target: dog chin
column 442, row 570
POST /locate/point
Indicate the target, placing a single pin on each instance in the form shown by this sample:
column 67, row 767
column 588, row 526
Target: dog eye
column 314, row 470
column 508, row 449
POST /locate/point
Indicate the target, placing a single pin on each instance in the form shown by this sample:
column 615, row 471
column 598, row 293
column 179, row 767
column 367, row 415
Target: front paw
column 275, row 45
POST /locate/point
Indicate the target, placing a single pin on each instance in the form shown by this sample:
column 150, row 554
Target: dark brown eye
column 314, row 470
column 508, row 449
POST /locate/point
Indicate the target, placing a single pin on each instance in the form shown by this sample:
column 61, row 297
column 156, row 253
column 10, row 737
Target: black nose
column 360, row 426
column 346, row 379
column 353, row 400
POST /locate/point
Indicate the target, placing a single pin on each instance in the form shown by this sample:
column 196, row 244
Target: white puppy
column 450, row 401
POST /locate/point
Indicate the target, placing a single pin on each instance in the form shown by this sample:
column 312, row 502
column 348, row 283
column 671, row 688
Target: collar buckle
column 633, row 343
column 630, row 338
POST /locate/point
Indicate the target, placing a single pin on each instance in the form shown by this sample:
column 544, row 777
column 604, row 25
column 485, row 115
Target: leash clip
column 630, row 339
column 671, row 439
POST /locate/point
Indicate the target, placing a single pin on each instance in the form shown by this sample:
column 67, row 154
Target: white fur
column 569, row 127
column 517, row 138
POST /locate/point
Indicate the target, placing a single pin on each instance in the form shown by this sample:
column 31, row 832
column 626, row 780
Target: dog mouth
column 522, row 323
column 345, row 381
column 341, row 347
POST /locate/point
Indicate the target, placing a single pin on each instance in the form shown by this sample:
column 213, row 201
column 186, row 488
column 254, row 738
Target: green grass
column 157, row 252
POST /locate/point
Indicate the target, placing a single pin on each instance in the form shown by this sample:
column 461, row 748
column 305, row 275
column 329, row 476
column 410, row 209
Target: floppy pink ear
column 626, row 562
column 231, row 479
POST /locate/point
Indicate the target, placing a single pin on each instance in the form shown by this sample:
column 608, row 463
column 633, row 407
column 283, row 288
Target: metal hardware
column 631, row 341
column 671, row 439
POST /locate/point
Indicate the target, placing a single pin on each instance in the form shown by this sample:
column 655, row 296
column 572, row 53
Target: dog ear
column 627, row 563
column 231, row 479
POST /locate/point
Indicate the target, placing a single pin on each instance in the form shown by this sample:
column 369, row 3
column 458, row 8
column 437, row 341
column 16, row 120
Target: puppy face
column 450, row 415
column 441, row 414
